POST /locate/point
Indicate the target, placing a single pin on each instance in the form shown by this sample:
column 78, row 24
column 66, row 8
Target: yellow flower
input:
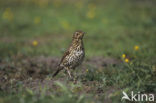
column 35, row 43
column 8, row 15
column 87, row 70
column 37, row 20
column 65, row 25
column 126, row 60
column 136, row 47
column 91, row 14
column 123, row 55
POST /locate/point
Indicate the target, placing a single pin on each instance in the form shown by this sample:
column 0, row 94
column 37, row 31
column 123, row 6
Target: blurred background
column 120, row 44
column 45, row 27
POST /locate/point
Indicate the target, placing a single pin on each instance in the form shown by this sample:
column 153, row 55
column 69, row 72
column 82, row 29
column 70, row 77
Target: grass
column 113, row 28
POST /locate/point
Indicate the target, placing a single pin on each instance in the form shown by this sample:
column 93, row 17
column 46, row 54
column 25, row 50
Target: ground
column 119, row 44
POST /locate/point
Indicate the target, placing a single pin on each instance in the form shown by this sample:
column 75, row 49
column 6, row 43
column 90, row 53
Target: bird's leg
column 68, row 72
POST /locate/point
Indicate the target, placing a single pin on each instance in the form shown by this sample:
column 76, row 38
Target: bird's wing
column 65, row 54
column 60, row 67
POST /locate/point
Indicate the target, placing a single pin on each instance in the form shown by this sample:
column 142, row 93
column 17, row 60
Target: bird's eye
column 77, row 33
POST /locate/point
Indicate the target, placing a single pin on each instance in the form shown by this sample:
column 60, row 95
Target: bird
column 74, row 55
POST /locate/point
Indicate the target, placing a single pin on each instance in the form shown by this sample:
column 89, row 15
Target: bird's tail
column 58, row 70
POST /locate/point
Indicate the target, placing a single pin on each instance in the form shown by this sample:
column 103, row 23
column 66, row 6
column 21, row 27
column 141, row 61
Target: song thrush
column 74, row 55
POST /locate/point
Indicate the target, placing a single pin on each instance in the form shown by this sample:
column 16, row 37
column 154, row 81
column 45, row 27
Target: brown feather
column 74, row 55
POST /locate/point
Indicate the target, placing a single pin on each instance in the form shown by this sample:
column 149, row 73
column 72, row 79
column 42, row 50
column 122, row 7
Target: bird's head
column 78, row 35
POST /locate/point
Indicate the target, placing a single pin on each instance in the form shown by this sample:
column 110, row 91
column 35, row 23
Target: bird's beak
column 83, row 34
